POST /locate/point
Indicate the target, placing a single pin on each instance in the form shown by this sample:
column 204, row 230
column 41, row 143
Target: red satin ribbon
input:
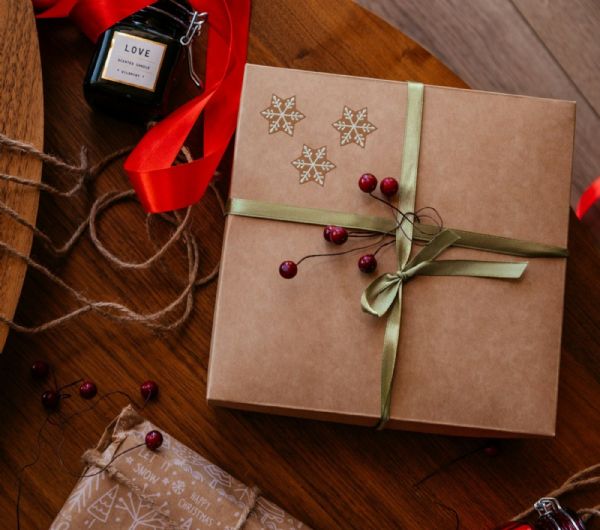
column 589, row 197
column 160, row 185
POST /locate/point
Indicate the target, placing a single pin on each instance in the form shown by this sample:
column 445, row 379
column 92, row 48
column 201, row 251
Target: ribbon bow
column 378, row 297
column 384, row 295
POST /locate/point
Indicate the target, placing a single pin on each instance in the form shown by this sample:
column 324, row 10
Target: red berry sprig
column 338, row 235
column 51, row 399
column 149, row 390
column 389, row 186
column 88, row 389
column 154, row 440
column 367, row 263
column 288, row 269
column 367, row 182
column 40, row 370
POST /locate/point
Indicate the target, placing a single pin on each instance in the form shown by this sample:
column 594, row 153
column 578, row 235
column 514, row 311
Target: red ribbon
column 161, row 186
column 589, row 197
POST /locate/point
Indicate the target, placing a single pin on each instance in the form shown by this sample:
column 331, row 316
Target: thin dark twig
column 69, row 384
column 447, row 465
column 404, row 216
column 342, row 252
column 383, row 246
column 107, row 465
column 27, row 466
column 452, row 510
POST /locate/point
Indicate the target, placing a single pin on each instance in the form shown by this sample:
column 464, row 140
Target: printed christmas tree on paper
column 187, row 525
column 82, row 493
column 143, row 515
column 100, row 509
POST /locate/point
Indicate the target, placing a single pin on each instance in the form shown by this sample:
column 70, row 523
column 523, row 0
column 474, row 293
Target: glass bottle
column 131, row 72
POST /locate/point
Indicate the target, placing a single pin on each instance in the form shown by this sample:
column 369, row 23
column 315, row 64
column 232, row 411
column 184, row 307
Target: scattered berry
column 50, row 399
column 338, row 235
column 389, row 186
column 491, row 450
column 149, row 390
column 153, row 440
column 288, row 269
column 88, row 389
column 40, row 369
column 367, row 263
column 367, row 182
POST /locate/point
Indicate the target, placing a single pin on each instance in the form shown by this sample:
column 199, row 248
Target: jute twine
column 587, row 477
column 84, row 173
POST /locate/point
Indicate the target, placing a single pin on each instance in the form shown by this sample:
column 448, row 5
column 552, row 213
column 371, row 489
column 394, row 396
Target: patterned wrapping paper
column 173, row 487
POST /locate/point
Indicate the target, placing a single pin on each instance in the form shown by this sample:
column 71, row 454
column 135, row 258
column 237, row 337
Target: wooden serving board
column 22, row 118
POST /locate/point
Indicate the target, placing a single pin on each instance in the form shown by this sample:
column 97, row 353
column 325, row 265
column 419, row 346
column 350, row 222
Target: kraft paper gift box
column 476, row 356
column 170, row 488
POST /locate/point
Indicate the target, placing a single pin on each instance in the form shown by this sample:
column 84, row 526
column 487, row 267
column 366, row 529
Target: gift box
column 450, row 354
column 128, row 486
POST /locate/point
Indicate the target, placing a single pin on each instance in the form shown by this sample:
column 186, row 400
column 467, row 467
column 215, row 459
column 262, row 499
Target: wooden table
column 330, row 476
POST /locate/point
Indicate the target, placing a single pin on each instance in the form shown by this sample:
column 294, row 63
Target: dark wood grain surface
column 330, row 476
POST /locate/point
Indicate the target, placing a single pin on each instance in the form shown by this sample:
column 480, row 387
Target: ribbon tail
column 388, row 360
column 477, row 269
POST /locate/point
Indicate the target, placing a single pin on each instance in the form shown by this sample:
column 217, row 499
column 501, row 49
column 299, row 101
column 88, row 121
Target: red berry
column 367, row 263
column 149, row 390
column 338, row 235
column 327, row 232
column 88, row 389
column 367, row 182
column 389, row 186
column 40, row 369
column 491, row 450
column 288, row 269
column 153, row 440
column 50, row 399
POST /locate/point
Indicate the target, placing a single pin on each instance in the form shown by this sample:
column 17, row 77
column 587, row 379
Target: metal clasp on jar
column 197, row 20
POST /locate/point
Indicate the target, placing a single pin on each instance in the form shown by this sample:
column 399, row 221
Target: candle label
column 134, row 61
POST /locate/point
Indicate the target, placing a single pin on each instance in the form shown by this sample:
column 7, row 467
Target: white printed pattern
column 106, row 508
column 282, row 115
column 313, row 165
column 354, row 127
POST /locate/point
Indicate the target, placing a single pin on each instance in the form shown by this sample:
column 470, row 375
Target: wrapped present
column 460, row 336
column 127, row 486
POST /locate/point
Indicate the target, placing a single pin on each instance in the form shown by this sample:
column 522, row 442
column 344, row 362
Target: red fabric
column 589, row 197
column 160, row 185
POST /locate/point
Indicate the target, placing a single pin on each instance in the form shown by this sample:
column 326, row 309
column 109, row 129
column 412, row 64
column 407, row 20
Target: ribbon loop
column 379, row 295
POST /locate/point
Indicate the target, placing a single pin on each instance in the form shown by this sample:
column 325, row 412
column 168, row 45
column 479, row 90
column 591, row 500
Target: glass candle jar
column 133, row 65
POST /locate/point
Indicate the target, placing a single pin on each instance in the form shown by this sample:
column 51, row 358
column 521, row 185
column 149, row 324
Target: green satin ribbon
column 422, row 232
column 384, row 295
